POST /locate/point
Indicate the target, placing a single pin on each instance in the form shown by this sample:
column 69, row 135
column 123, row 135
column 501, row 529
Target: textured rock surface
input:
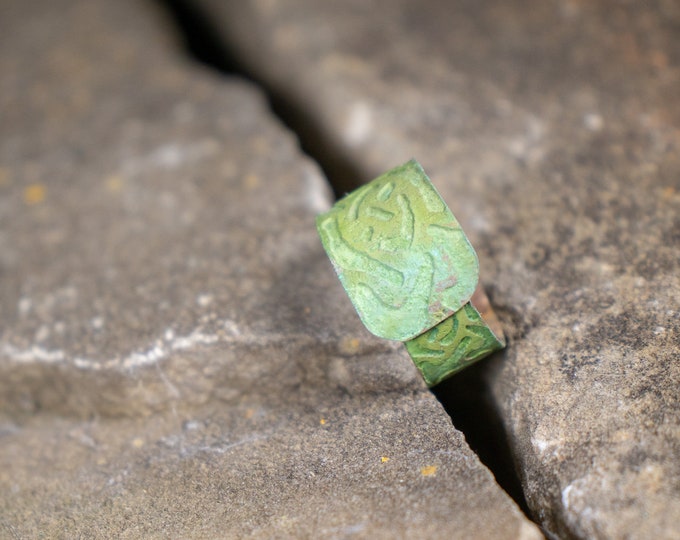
column 552, row 130
column 177, row 358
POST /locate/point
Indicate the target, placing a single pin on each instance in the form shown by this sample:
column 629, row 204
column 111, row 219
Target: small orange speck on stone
column 307, row 310
column 349, row 346
column 138, row 442
column 4, row 177
column 252, row 181
column 34, row 194
column 384, row 459
column 114, row 183
column 668, row 192
column 322, row 421
column 430, row 470
column 249, row 413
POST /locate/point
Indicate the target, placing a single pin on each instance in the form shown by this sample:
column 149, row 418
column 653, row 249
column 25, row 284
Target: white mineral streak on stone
column 150, row 356
column 84, row 363
column 158, row 350
column 171, row 156
column 204, row 300
column 195, row 338
column 32, row 354
column 359, row 124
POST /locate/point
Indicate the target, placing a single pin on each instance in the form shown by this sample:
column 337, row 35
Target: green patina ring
column 411, row 272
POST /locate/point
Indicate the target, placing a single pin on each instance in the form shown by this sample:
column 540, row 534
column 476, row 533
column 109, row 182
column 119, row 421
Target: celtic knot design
column 452, row 345
column 400, row 253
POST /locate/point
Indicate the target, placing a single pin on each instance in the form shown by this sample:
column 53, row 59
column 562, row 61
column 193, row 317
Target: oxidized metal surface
column 452, row 345
column 400, row 253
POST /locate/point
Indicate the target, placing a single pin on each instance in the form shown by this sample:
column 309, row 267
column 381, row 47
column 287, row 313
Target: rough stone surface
column 551, row 128
column 177, row 357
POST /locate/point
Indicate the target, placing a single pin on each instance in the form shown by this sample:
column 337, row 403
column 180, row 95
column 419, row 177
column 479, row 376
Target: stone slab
column 177, row 358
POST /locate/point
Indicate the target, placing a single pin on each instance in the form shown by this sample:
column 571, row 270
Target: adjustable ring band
column 411, row 272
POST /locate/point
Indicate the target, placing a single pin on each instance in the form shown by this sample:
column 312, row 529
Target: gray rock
column 177, row 358
column 551, row 128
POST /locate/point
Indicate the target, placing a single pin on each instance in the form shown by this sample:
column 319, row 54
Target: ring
column 410, row 271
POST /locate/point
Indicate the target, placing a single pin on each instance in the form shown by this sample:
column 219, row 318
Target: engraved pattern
column 452, row 345
column 400, row 253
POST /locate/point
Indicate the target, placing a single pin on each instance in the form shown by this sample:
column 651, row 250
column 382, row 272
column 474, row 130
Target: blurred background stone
column 177, row 358
column 551, row 128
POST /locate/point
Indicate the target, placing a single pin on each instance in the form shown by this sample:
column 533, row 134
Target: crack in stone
column 209, row 46
column 465, row 397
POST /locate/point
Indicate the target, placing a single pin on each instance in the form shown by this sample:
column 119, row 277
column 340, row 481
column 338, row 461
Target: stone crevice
column 466, row 397
column 211, row 47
